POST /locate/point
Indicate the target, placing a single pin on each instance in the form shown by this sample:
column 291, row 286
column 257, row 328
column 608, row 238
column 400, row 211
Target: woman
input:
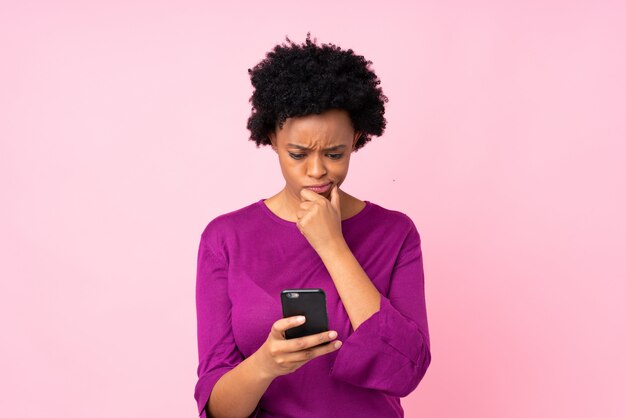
column 313, row 105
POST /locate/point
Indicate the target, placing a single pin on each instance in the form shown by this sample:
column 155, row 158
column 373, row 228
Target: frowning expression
column 314, row 151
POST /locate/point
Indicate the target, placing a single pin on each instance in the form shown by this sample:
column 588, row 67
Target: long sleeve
column 217, row 351
column 390, row 351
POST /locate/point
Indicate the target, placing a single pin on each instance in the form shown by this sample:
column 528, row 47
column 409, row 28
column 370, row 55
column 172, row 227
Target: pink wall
column 122, row 128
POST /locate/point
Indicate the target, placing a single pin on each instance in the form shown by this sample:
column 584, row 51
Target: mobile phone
column 308, row 302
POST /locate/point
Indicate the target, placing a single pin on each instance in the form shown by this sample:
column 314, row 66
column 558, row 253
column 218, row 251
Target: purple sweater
column 248, row 256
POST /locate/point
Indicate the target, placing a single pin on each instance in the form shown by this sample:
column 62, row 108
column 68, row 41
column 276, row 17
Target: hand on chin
column 319, row 217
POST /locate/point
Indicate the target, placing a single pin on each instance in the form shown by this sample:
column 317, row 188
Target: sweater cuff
column 400, row 332
column 386, row 352
column 205, row 386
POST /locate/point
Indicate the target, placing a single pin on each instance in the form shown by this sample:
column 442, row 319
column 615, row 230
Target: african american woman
column 314, row 105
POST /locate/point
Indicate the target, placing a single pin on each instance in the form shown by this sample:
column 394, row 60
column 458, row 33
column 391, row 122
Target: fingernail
column 300, row 319
column 337, row 344
column 332, row 334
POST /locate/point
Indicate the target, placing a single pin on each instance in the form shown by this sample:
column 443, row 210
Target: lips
column 320, row 188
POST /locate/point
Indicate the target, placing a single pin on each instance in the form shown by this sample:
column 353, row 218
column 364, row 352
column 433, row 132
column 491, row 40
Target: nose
column 315, row 167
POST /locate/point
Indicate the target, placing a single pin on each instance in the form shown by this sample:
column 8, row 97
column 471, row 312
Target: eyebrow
column 336, row 147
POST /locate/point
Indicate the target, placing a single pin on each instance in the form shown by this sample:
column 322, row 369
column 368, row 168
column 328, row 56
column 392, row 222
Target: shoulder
column 398, row 231
column 220, row 228
column 395, row 221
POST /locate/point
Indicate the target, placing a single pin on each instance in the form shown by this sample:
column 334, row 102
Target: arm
column 237, row 393
column 228, row 385
column 358, row 294
column 319, row 220
column 390, row 351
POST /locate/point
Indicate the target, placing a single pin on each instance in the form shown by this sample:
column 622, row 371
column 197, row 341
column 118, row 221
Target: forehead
column 333, row 126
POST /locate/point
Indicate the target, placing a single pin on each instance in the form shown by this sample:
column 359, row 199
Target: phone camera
column 293, row 295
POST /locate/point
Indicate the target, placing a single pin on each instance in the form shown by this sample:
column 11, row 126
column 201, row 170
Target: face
column 314, row 150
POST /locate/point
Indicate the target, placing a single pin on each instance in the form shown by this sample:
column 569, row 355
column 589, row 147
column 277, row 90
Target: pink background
column 122, row 128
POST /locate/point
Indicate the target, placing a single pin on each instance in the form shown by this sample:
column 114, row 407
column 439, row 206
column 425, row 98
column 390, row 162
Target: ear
column 357, row 135
column 272, row 137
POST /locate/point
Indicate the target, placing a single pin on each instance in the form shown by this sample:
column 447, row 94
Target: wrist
column 256, row 363
column 333, row 249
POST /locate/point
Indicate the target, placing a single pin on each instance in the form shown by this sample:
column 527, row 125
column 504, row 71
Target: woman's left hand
column 319, row 219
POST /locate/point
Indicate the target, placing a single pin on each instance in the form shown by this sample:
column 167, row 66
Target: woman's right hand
column 279, row 356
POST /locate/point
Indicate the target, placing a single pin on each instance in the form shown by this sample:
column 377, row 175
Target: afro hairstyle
column 298, row 80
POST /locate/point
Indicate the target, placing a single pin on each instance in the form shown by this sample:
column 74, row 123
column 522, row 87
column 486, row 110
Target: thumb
column 334, row 198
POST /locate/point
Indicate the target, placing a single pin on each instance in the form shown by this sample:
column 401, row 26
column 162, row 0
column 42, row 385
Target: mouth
column 320, row 188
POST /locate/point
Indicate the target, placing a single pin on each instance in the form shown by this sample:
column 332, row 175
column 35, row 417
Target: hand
column 319, row 219
column 279, row 356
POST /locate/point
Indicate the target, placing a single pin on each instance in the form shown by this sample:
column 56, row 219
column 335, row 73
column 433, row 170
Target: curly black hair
column 298, row 80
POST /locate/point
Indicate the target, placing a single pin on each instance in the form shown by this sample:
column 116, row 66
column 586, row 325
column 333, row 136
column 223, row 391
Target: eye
column 296, row 156
column 335, row 156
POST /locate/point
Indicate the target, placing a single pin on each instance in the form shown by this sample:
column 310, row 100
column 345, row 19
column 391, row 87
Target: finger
column 335, row 200
column 309, row 341
column 284, row 324
column 306, row 205
column 307, row 194
column 311, row 353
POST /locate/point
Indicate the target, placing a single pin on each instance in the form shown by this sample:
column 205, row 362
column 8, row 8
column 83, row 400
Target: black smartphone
column 308, row 302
